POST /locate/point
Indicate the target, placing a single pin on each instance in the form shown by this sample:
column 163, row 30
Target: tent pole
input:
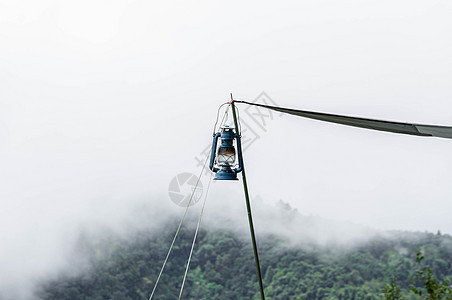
column 248, row 207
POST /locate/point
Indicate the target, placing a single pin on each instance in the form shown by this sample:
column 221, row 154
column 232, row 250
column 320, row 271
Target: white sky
column 102, row 103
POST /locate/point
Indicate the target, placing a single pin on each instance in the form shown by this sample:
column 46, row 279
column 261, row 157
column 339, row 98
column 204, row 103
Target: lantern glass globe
column 226, row 156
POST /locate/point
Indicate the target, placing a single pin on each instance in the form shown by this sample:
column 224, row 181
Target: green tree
column 433, row 288
column 392, row 291
column 424, row 284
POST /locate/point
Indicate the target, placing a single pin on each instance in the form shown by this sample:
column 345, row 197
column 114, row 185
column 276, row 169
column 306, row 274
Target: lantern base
column 225, row 174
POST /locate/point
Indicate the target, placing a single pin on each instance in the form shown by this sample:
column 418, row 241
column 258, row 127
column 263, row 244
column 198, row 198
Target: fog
column 103, row 103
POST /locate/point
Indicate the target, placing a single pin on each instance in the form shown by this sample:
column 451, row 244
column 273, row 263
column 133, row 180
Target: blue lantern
column 223, row 159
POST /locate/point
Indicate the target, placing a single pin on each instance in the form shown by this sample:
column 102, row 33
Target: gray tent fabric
column 389, row 126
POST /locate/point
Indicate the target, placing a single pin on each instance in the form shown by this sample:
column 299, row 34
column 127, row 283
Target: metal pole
column 248, row 207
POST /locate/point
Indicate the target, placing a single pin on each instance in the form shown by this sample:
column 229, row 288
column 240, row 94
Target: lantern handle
column 214, row 148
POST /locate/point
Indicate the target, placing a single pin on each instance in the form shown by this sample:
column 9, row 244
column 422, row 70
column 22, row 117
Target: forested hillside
column 223, row 267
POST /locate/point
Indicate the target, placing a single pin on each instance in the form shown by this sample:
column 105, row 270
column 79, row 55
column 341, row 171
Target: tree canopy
column 223, row 268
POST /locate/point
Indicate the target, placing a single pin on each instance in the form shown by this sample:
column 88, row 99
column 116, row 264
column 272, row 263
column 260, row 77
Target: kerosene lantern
column 223, row 160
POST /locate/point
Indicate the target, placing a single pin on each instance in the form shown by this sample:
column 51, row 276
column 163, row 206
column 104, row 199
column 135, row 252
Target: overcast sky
column 102, row 103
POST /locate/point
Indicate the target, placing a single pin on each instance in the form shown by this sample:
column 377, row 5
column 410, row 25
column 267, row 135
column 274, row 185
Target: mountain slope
column 223, row 266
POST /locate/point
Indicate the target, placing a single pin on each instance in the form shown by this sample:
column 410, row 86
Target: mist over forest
column 301, row 256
